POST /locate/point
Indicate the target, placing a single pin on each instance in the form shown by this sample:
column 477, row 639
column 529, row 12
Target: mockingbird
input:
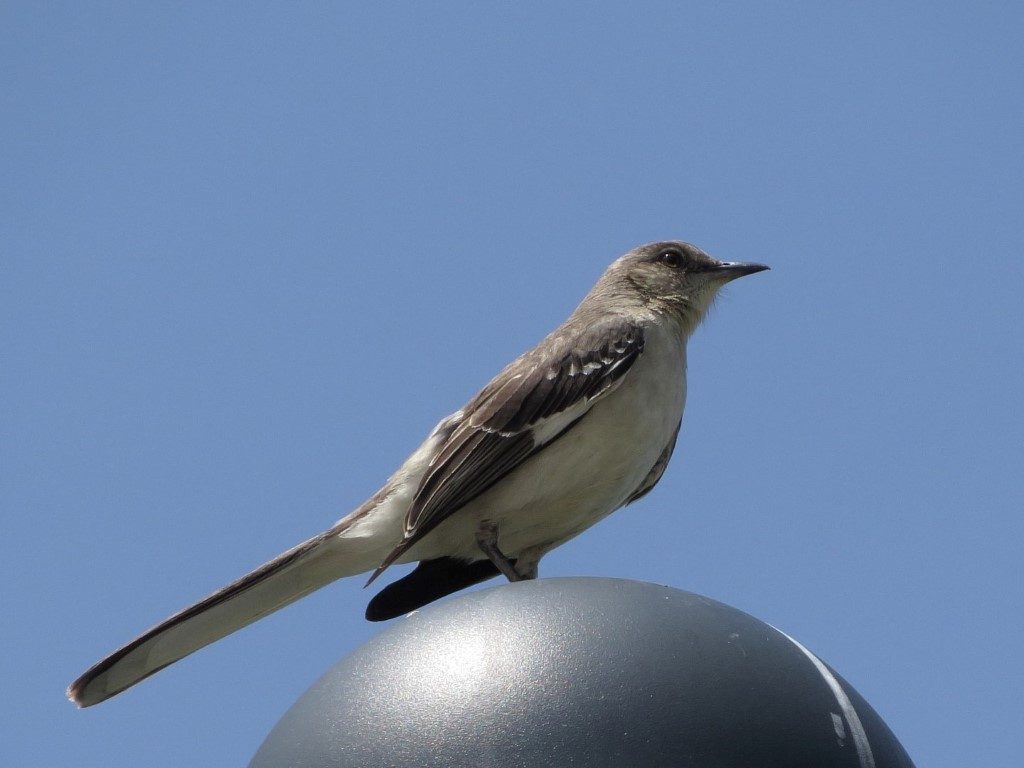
column 582, row 424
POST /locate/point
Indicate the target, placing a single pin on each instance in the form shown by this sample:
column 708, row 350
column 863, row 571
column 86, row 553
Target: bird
column 577, row 427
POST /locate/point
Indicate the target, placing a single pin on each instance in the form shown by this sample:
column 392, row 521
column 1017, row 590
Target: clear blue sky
column 251, row 255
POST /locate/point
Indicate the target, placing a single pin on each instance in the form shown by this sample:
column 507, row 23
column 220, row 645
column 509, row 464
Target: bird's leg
column 487, row 540
column 526, row 563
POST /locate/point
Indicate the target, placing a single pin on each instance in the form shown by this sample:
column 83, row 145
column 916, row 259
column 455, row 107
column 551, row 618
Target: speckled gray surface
column 580, row 672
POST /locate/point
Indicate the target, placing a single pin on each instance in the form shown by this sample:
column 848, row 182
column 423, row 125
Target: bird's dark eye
column 672, row 257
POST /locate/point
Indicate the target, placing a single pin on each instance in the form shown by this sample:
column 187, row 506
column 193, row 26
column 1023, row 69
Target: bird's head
column 677, row 277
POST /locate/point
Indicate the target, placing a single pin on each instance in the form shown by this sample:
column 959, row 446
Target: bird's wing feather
column 658, row 469
column 535, row 400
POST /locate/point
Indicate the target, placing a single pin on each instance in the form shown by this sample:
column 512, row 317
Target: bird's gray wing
column 657, row 470
column 534, row 401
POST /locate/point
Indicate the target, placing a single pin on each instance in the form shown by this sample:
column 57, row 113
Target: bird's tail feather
column 293, row 574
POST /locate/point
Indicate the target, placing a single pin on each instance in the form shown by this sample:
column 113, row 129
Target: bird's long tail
column 293, row 574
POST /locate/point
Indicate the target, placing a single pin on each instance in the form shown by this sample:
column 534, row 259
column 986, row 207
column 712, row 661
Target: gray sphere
column 581, row 672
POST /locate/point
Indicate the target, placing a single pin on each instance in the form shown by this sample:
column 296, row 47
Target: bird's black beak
column 730, row 270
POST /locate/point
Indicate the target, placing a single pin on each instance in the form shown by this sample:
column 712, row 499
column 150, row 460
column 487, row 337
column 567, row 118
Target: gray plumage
column 577, row 427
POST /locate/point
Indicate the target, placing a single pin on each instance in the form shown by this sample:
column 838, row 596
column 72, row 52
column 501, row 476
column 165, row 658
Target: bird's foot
column 487, row 540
